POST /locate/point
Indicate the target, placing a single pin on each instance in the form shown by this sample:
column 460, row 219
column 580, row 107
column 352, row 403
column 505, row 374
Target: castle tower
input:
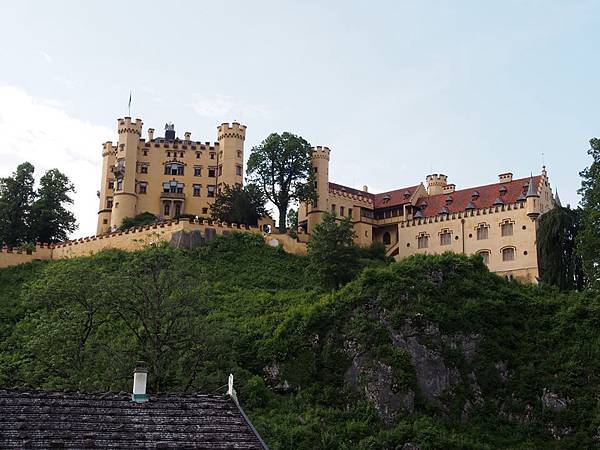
column 230, row 157
column 124, row 169
column 320, row 163
column 436, row 183
column 106, row 194
column 533, row 200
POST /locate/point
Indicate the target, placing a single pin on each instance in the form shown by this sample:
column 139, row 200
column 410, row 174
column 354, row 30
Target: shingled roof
column 485, row 198
column 40, row 419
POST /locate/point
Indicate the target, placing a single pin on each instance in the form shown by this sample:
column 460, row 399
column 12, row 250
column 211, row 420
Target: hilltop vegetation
column 433, row 351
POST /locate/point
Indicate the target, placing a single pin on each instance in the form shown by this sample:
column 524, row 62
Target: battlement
column 321, row 152
column 126, row 125
column 439, row 180
column 233, row 130
column 107, row 148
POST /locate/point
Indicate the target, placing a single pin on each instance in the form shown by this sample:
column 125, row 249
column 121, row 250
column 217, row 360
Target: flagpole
column 129, row 105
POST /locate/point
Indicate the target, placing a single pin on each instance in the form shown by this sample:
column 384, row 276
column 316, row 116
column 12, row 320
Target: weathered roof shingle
column 39, row 419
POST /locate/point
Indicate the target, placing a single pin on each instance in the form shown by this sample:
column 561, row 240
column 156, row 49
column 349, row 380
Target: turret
column 533, row 200
column 124, row 169
column 320, row 164
column 436, row 183
column 230, row 156
column 105, row 193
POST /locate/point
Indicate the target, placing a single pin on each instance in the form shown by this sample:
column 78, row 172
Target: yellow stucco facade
column 498, row 221
column 166, row 176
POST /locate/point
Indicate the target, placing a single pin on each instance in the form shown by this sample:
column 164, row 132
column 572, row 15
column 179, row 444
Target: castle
column 498, row 221
column 166, row 176
column 170, row 177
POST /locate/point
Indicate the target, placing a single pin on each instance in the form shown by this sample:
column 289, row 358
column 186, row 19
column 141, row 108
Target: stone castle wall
column 138, row 238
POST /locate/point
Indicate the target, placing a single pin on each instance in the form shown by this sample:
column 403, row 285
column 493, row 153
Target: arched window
column 387, row 239
column 485, row 254
column 423, row 241
column 508, row 254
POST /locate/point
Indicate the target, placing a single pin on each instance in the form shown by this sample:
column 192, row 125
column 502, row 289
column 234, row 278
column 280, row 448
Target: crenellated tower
column 230, row 156
column 436, row 183
column 106, row 193
column 124, row 170
column 320, row 164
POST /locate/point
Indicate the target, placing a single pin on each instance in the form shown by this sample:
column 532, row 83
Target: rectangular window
column 211, row 190
column 508, row 254
column 333, row 208
column 198, row 154
column 119, row 184
column 144, row 168
column 142, row 187
column 212, row 156
column 342, row 210
column 316, row 169
column 197, row 171
column 423, row 241
column 197, row 188
column 174, row 169
column 111, row 184
column 220, row 170
column 238, row 170
column 204, row 210
column 507, row 229
column 212, row 172
column 239, row 154
column 482, row 233
column 350, row 212
column 109, row 202
column 177, row 209
column 145, row 152
column 167, row 208
column 445, row 238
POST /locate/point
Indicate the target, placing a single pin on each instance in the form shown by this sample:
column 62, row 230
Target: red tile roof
column 396, row 197
column 487, row 196
column 339, row 187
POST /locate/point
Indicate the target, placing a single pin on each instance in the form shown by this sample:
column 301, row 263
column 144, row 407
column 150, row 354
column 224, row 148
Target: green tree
column 16, row 197
column 332, row 255
column 292, row 218
column 588, row 241
column 145, row 218
column 242, row 205
column 281, row 167
column 560, row 265
column 50, row 220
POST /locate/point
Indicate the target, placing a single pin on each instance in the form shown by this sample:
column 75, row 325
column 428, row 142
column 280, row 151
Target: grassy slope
column 258, row 311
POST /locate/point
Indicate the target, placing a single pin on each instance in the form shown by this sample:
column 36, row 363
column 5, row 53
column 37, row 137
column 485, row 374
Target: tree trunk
column 282, row 219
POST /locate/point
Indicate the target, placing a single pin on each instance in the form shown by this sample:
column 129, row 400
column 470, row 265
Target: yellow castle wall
column 13, row 257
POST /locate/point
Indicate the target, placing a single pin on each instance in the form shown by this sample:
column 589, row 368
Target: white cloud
column 222, row 106
column 41, row 132
column 46, row 57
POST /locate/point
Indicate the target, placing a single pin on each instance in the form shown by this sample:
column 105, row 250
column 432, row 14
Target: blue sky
column 397, row 90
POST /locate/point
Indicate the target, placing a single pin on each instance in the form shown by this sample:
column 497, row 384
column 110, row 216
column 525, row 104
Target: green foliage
column 239, row 306
column 332, row 255
column 588, row 242
column 560, row 265
column 50, row 220
column 35, row 216
column 241, row 205
column 292, row 222
column 145, row 218
column 16, row 196
column 281, row 167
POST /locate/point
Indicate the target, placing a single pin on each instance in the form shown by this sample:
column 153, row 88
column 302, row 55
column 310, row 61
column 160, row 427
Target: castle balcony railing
column 177, row 195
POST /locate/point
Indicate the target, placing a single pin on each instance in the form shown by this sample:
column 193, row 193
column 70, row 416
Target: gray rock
column 553, row 401
column 411, row 446
column 196, row 239
column 209, row 234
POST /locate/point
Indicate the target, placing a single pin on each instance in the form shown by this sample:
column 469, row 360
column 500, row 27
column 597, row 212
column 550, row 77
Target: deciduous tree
column 281, row 167
column 243, row 205
column 588, row 241
column 16, row 196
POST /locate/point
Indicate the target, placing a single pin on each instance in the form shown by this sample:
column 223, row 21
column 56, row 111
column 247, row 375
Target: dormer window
column 449, row 200
column 386, row 198
column 474, row 195
column 406, row 194
column 502, row 190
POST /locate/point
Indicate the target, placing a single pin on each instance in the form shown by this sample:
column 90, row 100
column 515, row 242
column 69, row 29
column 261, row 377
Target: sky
column 397, row 90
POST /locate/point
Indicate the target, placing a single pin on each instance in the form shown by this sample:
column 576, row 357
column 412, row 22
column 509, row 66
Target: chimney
column 365, row 188
column 187, row 135
column 505, row 177
column 140, row 376
column 150, row 134
column 449, row 188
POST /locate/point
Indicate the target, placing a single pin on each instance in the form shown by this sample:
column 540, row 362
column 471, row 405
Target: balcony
column 176, row 195
column 117, row 170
